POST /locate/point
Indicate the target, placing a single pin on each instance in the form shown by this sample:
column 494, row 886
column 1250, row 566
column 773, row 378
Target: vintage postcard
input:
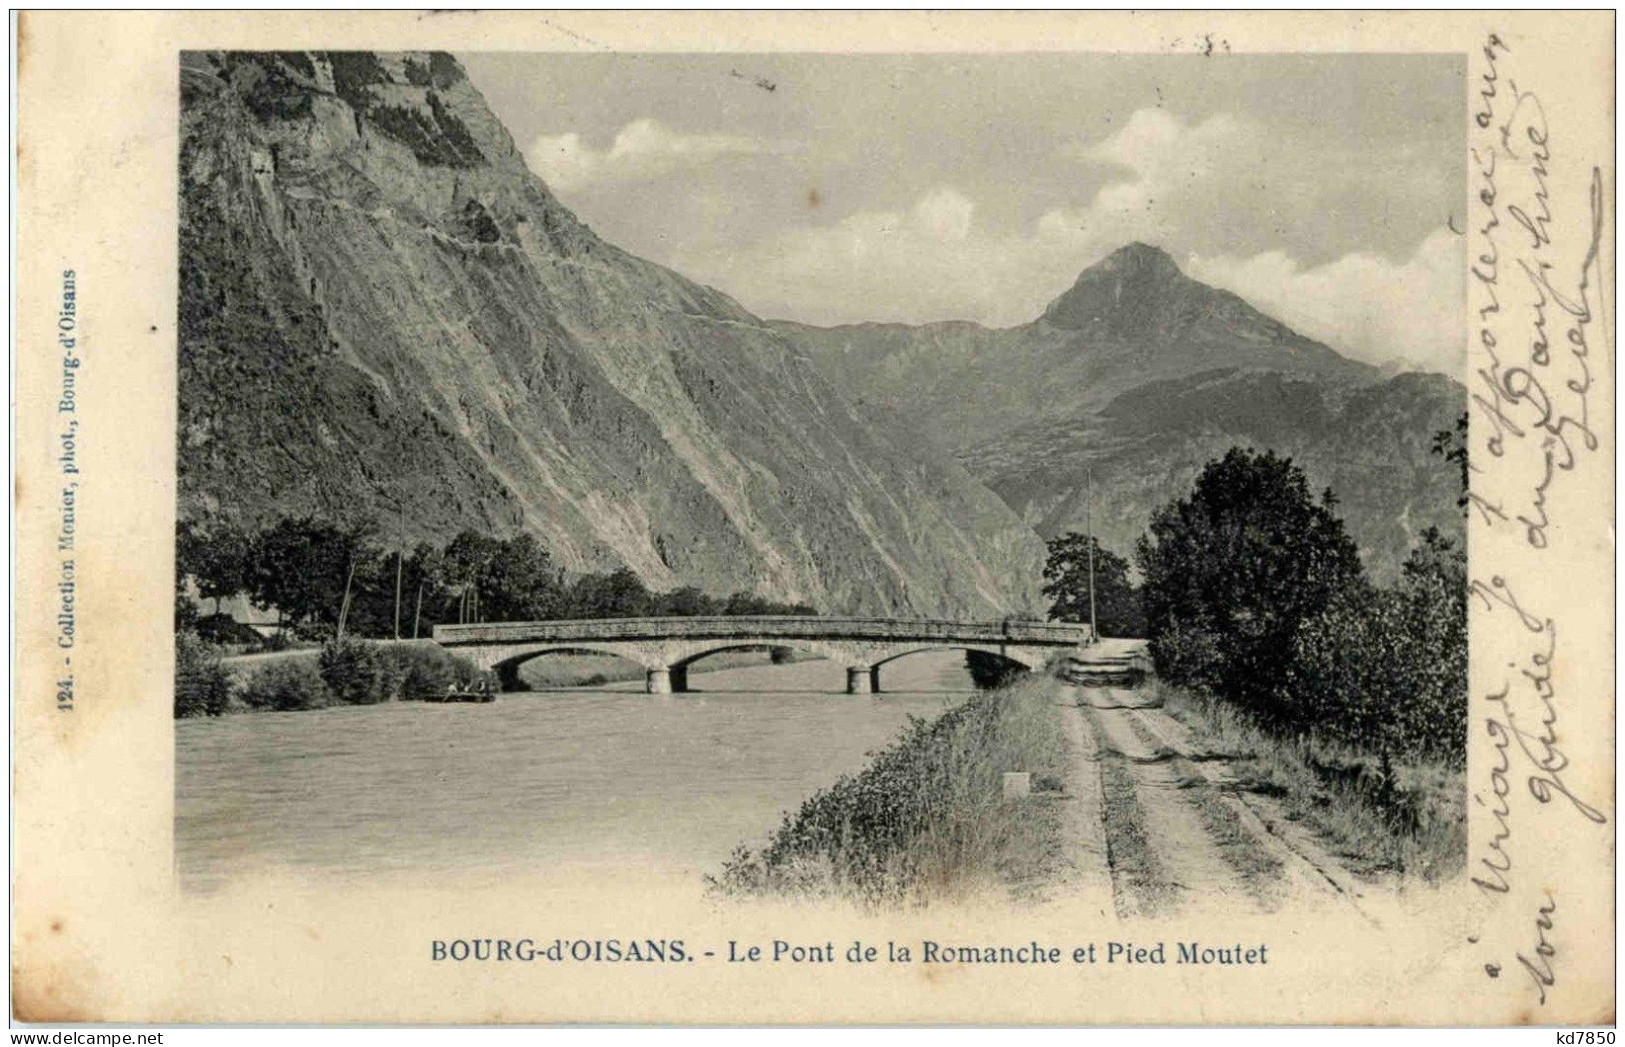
column 758, row 518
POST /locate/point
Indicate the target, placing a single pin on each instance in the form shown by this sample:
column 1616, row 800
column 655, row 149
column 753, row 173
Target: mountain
column 1138, row 375
column 384, row 312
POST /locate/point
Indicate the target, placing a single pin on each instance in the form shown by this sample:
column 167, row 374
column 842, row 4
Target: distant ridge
column 1140, row 373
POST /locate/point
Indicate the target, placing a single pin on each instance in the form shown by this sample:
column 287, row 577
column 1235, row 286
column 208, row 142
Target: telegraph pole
column 1089, row 525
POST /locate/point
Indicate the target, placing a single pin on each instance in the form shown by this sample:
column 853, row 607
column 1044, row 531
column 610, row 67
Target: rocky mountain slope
column 1141, row 375
column 384, row 312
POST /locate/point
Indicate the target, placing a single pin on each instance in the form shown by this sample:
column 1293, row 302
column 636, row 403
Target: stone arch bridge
column 666, row 647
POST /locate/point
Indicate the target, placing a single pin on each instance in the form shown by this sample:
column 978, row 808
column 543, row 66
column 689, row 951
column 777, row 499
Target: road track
column 1159, row 824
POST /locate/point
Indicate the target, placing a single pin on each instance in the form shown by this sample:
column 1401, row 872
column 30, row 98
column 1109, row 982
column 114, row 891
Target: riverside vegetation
column 926, row 819
column 1347, row 698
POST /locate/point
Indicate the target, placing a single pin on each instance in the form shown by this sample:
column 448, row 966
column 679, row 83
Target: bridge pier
column 860, row 679
column 658, row 681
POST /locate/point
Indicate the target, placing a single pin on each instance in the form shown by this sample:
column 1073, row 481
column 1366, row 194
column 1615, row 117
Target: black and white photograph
column 789, row 518
column 884, row 477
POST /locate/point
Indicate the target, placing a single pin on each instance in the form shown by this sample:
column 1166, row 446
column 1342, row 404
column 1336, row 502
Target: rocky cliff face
column 1140, row 375
column 384, row 312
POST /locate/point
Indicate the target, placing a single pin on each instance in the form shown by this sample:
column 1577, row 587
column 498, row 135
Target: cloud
column 1209, row 186
column 1216, row 193
column 1164, row 154
column 1361, row 304
column 944, row 214
column 642, row 150
column 927, row 261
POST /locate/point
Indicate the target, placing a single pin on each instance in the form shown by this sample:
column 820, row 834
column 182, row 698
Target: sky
column 843, row 188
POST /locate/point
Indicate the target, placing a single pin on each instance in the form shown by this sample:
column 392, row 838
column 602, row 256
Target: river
column 603, row 780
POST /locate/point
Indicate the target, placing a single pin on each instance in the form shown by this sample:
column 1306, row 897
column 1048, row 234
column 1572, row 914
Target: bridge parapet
column 765, row 627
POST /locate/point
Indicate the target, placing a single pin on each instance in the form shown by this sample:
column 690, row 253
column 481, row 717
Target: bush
column 1187, row 651
column 286, row 684
column 310, row 632
column 425, row 671
column 356, row 674
column 1386, row 672
column 202, row 684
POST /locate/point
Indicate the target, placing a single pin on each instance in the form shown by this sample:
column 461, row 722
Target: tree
column 1231, row 572
column 619, row 594
column 743, row 603
column 500, row 580
column 216, row 557
column 306, row 566
column 1066, row 576
column 1451, row 445
column 463, row 562
column 519, row 583
column 422, row 590
column 688, row 601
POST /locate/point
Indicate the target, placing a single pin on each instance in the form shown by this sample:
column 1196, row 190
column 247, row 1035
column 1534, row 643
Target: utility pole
column 344, row 607
column 398, row 593
column 400, row 556
column 1089, row 525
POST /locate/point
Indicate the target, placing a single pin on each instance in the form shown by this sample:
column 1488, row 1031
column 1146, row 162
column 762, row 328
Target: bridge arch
column 816, row 648
column 1020, row 658
column 506, row 665
column 1018, row 661
column 682, row 659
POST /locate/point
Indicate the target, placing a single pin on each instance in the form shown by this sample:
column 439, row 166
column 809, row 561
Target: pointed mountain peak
column 1137, row 257
column 1132, row 275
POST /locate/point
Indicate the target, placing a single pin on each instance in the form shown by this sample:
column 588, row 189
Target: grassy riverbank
column 927, row 818
column 1410, row 821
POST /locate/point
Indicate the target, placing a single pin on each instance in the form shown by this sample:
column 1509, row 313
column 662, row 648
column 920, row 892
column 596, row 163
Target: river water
column 604, row 780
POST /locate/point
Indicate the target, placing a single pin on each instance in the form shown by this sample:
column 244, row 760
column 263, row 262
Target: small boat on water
column 480, row 693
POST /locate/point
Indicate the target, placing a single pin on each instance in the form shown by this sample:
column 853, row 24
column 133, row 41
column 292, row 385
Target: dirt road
column 1160, row 824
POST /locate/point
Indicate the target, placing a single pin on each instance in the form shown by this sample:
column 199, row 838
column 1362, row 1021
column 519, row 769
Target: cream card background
column 100, row 931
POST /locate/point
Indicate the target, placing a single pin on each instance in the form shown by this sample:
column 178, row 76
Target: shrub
column 286, row 684
column 202, row 684
column 355, row 674
column 1386, row 672
column 1187, row 651
column 309, row 632
column 425, row 670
